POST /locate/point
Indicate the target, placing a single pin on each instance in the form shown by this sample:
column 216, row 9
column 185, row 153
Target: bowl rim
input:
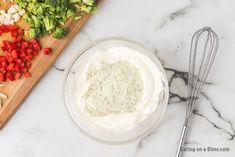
column 161, row 70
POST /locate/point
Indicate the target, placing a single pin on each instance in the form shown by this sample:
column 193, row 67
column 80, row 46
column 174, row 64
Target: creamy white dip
column 147, row 103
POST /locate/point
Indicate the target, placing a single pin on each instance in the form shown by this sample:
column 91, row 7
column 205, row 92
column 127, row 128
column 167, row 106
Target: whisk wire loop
column 197, row 75
column 197, row 80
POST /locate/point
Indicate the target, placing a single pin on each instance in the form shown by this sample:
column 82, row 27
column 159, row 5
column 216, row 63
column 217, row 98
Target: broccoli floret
column 65, row 3
column 60, row 32
column 86, row 8
column 36, row 21
column 49, row 23
column 39, row 10
column 35, row 32
column 70, row 13
column 88, row 2
column 48, row 16
column 31, row 33
column 52, row 3
column 29, row 19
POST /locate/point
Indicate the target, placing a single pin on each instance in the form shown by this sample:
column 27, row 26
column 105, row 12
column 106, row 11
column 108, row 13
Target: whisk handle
column 181, row 141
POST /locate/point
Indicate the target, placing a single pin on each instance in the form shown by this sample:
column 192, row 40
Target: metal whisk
column 198, row 73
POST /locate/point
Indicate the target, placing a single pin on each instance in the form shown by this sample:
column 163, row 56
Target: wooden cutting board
column 18, row 90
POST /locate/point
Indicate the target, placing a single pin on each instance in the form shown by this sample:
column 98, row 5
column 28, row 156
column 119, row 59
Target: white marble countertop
column 42, row 127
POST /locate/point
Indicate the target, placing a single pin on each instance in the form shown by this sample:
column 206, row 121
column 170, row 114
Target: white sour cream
column 119, row 123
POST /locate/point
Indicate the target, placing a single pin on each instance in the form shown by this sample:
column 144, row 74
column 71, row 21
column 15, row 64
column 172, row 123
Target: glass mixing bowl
column 70, row 89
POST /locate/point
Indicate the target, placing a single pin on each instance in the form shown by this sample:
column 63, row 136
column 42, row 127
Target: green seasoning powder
column 114, row 88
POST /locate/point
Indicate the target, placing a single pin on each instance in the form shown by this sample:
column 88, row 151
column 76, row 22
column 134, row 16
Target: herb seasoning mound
column 114, row 88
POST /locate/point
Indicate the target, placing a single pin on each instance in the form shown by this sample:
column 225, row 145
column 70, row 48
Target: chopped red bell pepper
column 18, row 53
column 14, row 33
column 2, row 77
column 20, row 32
column 26, row 74
column 18, row 75
column 46, row 51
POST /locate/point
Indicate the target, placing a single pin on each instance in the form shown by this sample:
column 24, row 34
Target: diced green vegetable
column 49, row 16
column 60, row 32
column 88, row 2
